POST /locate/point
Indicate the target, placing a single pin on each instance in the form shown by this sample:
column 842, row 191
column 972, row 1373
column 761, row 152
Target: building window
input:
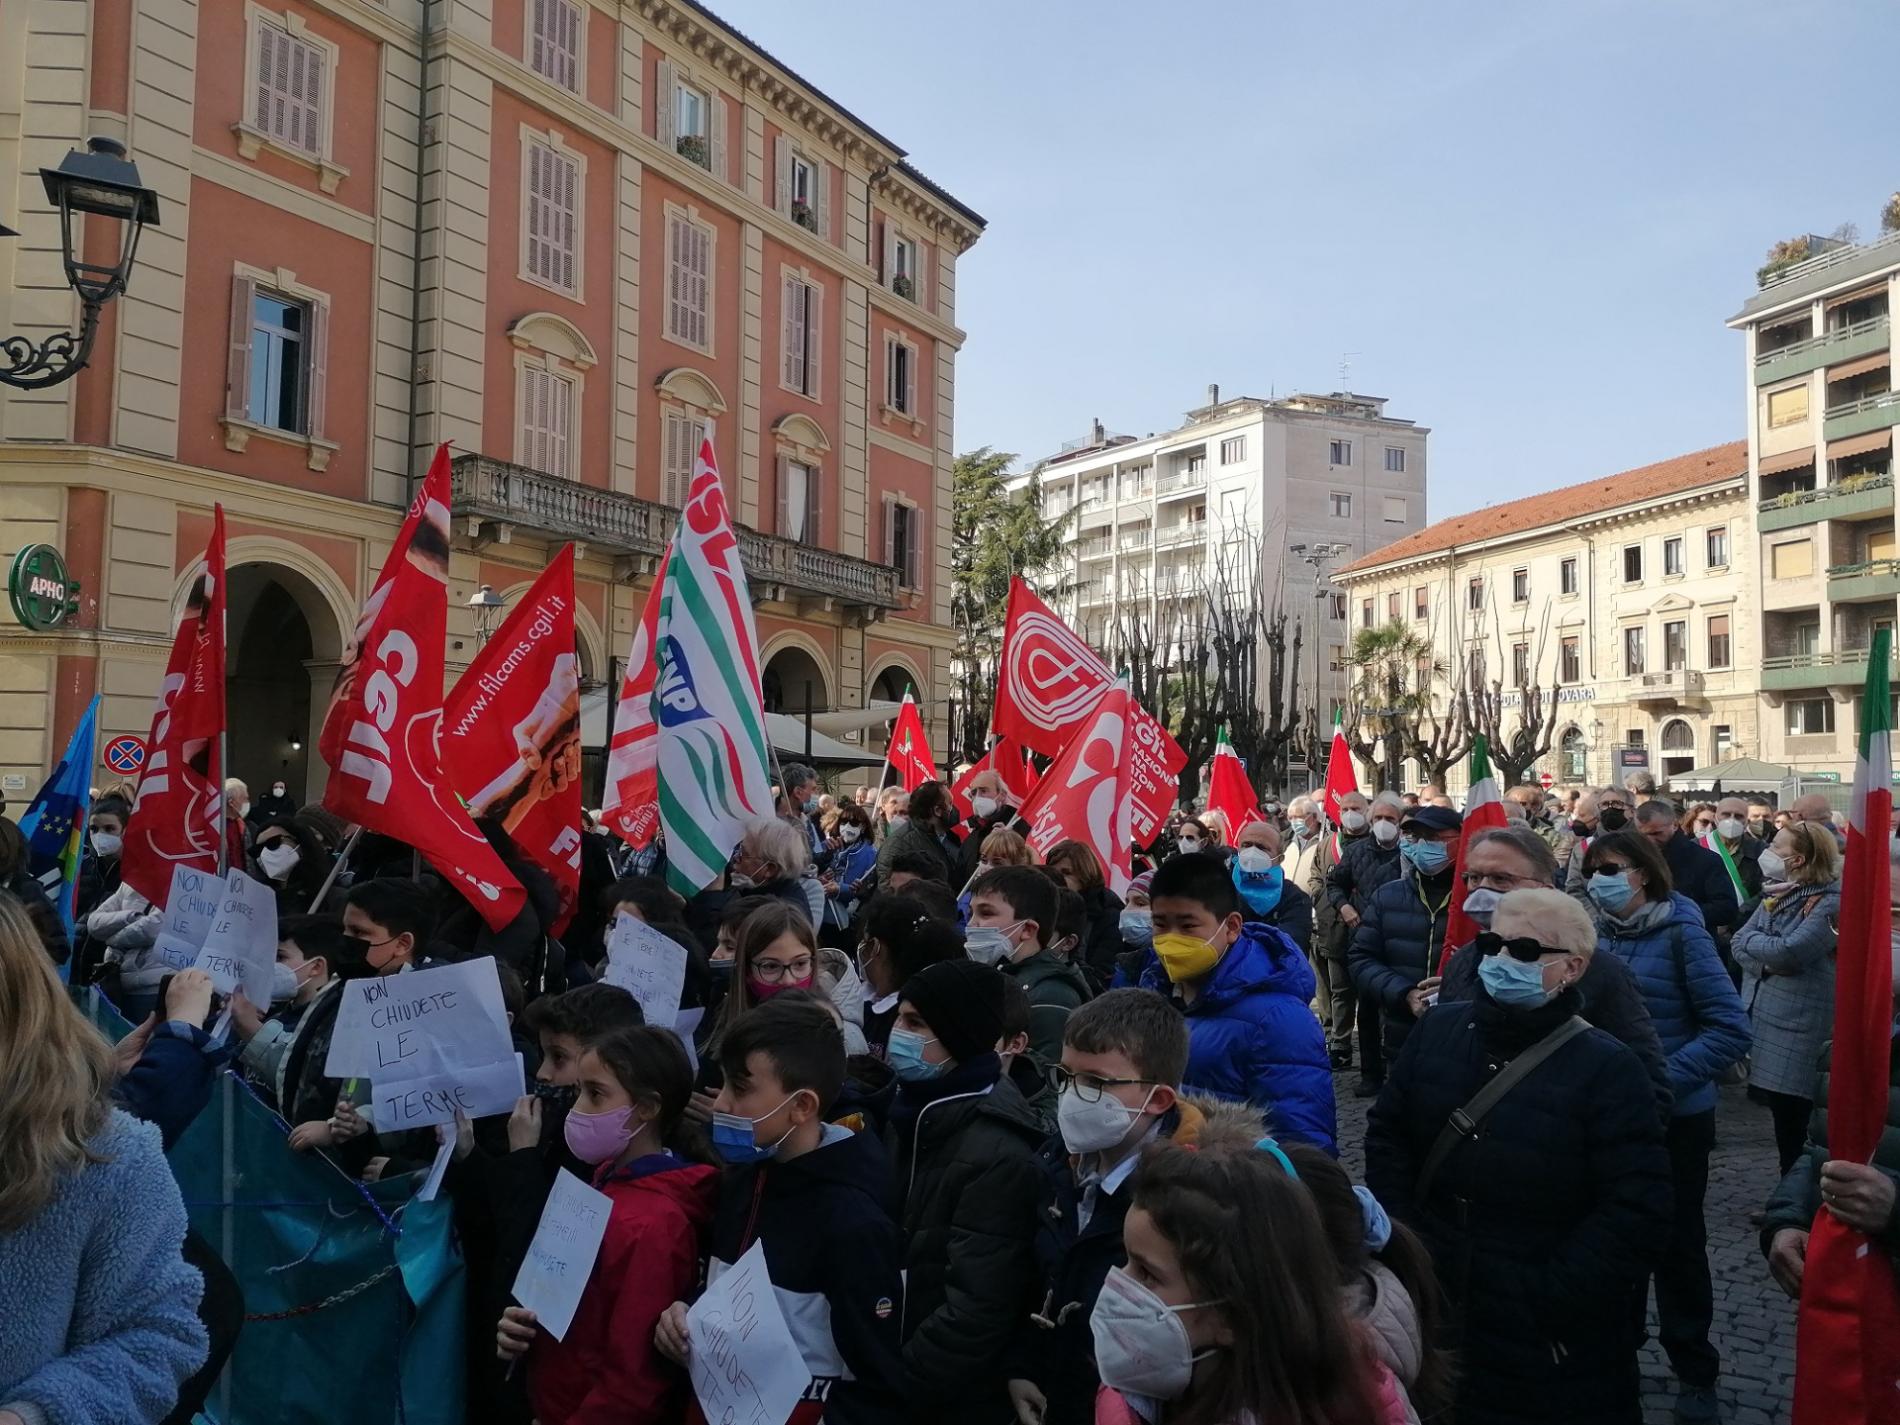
column 1336, row 657
column 287, row 105
column 798, row 489
column 678, row 456
column 1196, row 463
column 1365, row 614
column 1395, row 509
column 553, row 218
column 280, row 363
column 547, row 415
column 1718, row 546
column 1474, row 596
column 1422, row 673
column 900, row 265
column 803, row 188
column 1569, row 661
column 904, row 541
column 1633, row 564
column 1567, row 582
column 803, row 306
column 1233, row 450
column 1342, row 452
column 689, row 248
column 1675, row 645
column 900, row 384
column 1520, row 586
column 1810, row 717
column 1395, row 460
column 1342, row 505
column 1793, row 560
column 1672, row 556
column 1718, row 641
column 1393, row 602
column 1421, row 603
column 1474, row 667
column 1634, row 640
column 554, row 41
column 1787, row 408
column 692, row 124
column 1572, row 756
column 1520, row 665
column 1336, row 606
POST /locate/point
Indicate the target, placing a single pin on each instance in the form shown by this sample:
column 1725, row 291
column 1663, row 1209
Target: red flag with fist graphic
column 1084, row 796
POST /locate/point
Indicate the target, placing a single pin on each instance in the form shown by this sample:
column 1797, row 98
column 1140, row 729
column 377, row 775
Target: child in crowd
column 813, row 1193
column 1012, row 919
column 308, row 958
column 633, row 1086
column 898, row 938
column 1229, row 1308
column 393, row 920
column 1021, row 1067
column 1246, row 989
column 965, row 1143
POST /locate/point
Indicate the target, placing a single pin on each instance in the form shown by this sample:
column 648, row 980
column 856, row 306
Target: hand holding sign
column 561, row 1257
column 189, row 910
column 746, row 1368
column 424, row 1022
column 240, row 946
column 648, row 966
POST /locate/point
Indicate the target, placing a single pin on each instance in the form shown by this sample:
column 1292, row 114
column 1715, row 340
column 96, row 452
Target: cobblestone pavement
column 1754, row 1322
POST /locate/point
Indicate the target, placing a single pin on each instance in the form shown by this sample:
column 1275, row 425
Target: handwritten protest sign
column 433, row 1098
column 746, row 1368
column 240, row 948
column 648, row 966
column 685, row 1027
column 425, row 1022
column 189, row 910
column 561, row 1257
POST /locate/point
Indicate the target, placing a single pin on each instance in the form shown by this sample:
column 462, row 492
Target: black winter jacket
column 1612, row 1001
column 1797, row 1197
column 1334, row 935
column 1398, row 943
column 1102, row 941
column 1700, row 875
column 968, row 1182
column 1544, row 1226
column 1363, row 868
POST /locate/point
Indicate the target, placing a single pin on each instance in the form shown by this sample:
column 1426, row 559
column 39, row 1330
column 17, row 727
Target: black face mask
column 558, row 1097
column 1613, row 819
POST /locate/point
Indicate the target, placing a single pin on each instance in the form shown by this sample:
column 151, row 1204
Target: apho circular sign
column 44, row 596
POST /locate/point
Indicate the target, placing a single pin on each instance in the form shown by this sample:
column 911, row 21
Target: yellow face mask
column 1185, row 957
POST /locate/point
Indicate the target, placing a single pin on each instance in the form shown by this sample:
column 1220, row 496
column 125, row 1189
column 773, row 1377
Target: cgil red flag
column 1084, row 796
column 1048, row 682
column 380, row 737
column 1229, row 792
column 175, row 817
column 1011, row 764
column 511, row 731
column 632, row 804
column 908, row 763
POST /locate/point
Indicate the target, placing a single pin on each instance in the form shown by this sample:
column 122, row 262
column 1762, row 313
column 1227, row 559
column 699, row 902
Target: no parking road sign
column 125, row 755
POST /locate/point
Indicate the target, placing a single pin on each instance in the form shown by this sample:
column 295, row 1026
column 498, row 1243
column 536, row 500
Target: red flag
column 1012, row 767
column 1847, row 1337
column 175, row 816
column 511, row 731
column 380, row 737
column 1484, row 809
column 1340, row 777
column 1085, row 795
column 632, row 805
column 908, row 763
column 1229, row 792
column 1049, row 681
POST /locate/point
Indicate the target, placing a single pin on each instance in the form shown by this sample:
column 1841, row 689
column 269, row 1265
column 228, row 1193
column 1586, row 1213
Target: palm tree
column 1391, row 690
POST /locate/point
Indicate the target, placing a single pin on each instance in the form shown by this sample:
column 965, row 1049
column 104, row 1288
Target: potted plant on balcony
column 694, row 148
column 803, row 215
column 1782, row 256
column 904, row 287
column 1890, row 215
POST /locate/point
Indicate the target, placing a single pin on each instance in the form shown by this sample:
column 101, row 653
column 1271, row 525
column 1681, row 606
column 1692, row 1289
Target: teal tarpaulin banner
column 353, row 1294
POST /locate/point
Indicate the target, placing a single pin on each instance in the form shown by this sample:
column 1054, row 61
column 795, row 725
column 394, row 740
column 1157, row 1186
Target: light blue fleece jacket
column 101, row 1322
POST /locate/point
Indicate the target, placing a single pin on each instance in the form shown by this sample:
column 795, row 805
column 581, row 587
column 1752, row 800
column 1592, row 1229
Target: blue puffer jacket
column 1252, row 1038
column 1692, row 1002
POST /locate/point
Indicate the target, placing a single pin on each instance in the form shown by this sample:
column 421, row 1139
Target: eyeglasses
column 1088, row 1087
column 771, row 972
column 1519, row 947
column 1494, row 880
column 1608, row 868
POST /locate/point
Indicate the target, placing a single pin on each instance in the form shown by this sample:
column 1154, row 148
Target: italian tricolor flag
column 1847, row 1343
column 1484, row 808
column 1340, row 777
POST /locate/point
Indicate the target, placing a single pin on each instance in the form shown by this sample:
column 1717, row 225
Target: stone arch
column 901, row 663
column 792, row 641
column 802, row 432
column 326, row 602
column 589, row 641
column 691, row 388
column 554, row 334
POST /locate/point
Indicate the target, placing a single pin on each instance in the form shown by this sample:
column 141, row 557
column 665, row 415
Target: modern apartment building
column 1230, row 496
column 1632, row 594
column 564, row 236
column 1822, row 411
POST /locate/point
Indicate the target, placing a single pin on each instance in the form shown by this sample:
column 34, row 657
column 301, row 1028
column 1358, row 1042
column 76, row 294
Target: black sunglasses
column 1521, row 947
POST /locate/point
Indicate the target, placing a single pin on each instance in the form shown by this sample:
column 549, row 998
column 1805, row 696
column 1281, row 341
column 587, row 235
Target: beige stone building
column 1633, row 593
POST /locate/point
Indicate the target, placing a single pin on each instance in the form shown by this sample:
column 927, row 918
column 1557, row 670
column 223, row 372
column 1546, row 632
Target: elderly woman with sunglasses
column 1548, row 1214
column 1661, row 936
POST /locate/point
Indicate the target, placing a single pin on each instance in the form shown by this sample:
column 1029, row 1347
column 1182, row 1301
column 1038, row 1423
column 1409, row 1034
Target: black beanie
column 962, row 1002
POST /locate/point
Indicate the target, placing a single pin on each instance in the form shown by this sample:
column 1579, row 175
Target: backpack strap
column 1463, row 1123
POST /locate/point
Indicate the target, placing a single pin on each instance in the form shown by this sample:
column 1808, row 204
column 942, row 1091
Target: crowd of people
column 1015, row 1146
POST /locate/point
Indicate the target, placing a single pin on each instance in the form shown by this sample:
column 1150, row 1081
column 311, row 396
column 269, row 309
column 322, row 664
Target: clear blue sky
column 1527, row 222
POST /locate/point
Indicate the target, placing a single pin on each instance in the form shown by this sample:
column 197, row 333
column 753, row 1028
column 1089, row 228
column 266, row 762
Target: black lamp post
column 104, row 182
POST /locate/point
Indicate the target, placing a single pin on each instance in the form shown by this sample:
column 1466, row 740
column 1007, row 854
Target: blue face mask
column 905, row 1054
column 734, row 1139
column 1260, row 891
column 810, row 807
column 1513, row 983
column 1428, row 858
column 1611, row 890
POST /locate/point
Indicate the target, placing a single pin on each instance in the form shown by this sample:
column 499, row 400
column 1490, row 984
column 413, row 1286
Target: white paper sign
column 686, row 1026
column 399, row 1104
column 190, row 908
column 424, row 1022
column 240, row 948
column 561, row 1257
column 746, row 1368
column 433, row 1183
column 648, row 966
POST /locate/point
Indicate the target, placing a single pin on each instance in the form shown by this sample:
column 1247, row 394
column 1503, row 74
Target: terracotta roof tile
column 1647, row 482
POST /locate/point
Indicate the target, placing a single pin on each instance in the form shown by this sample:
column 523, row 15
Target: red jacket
column 607, row 1371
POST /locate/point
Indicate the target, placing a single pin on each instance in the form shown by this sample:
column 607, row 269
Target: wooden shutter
column 889, row 272
column 237, row 371
column 560, row 423
column 910, row 381
column 890, row 530
column 718, row 126
column 307, row 83
column 821, row 200
column 792, row 365
column 665, row 96
column 890, row 372
column 264, row 114
column 537, row 212
column 814, row 337
column 566, row 196
column 919, row 285
column 785, row 497
column 914, row 548
column 318, row 371
column 571, row 18
column 782, row 182
column 814, row 504
column 539, row 42
column 700, row 290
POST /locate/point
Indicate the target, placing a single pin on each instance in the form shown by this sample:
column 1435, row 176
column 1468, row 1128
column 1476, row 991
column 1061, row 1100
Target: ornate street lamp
column 104, row 182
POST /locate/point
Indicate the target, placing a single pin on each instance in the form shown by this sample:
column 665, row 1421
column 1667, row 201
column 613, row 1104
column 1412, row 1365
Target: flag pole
column 224, row 809
column 336, row 869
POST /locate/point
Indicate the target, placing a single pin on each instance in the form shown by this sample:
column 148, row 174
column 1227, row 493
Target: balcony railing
column 1846, row 498
column 1842, row 667
column 1820, row 262
column 1181, row 480
column 1669, row 683
column 1096, row 548
column 1870, row 413
column 493, row 491
column 1169, row 536
column 1841, row 344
